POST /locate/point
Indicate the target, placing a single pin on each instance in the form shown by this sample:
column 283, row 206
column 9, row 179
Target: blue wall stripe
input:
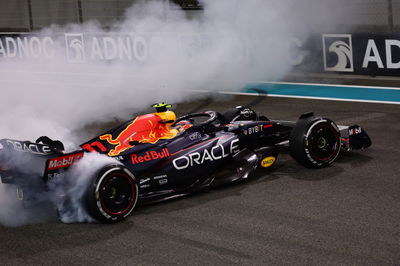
column 328, row 91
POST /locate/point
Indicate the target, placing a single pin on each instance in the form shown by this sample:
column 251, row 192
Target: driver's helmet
column 167, row 117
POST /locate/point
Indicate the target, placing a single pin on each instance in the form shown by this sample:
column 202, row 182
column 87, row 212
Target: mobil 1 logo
column 338, row 52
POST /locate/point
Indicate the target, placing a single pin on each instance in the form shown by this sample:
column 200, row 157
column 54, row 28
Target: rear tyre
column 315, row 142
column 112, row 194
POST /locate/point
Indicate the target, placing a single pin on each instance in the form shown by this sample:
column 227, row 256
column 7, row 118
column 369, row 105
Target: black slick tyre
column 315, row 142
column 112, row 194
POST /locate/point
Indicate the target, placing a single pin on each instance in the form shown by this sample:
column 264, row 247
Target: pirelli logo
column 64, row 161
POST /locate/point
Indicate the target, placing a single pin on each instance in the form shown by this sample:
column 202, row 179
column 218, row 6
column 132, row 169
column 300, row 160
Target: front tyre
column 112, row 194
column 315, row 142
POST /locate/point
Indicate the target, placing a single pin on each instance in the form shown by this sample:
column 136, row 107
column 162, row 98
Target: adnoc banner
column 89, row 47
column 365, row 54
column 362, row 54
column 79, row 47
column 26, row 46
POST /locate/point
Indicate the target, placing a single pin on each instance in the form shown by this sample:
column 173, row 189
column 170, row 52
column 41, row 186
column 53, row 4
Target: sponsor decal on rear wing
column 63, row 161
column 55, row 166
column 27, row 147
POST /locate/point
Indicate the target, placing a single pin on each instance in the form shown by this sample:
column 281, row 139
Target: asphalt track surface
column 347, row 214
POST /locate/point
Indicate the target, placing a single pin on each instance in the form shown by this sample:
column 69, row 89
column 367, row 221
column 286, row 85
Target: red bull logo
column 150, row 156
column 144, row 129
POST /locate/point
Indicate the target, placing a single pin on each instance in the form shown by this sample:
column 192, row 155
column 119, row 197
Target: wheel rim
column 323, row 142
column 117, row 193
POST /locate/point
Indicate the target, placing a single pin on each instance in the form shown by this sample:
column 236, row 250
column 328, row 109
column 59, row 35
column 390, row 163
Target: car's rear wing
column 59, row 164
column 20, row 159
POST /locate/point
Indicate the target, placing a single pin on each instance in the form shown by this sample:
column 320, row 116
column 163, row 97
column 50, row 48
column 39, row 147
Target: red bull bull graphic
column 147, row 128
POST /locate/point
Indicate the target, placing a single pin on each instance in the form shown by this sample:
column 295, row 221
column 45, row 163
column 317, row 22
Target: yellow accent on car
column 113, row 193
column 167, row 115
column 268, row 161
column 157, row 105
column 321, row 143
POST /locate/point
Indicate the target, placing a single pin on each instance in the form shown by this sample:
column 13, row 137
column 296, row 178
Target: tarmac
column 347, row 213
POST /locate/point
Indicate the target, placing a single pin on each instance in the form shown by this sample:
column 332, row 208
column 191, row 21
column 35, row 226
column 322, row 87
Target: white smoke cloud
column 64, row 198
column 239, row 41
column 68, row 192
column 13, row 212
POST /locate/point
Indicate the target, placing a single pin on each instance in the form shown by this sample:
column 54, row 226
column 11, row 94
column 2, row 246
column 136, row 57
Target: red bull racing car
column 158, row 156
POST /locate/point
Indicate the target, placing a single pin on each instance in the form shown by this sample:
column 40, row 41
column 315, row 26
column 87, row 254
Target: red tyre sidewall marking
column 332, row 130
column 100, row 201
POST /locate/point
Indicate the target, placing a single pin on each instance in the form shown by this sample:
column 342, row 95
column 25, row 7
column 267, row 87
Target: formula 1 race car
column 158, row 156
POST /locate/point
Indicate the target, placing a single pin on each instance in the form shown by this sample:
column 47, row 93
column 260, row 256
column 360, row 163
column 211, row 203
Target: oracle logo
column 217, row 152
column 25, row 146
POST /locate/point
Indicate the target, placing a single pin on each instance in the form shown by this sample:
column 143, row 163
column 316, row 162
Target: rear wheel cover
column 116, row 193
column 112, row 195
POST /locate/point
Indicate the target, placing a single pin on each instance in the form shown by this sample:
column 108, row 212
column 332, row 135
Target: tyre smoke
column 227, row 45
column 63, row 198
column 68, row 192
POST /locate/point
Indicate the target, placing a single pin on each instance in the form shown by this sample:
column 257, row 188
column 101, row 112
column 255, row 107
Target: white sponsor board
column 80, row 47
column 26, row 46
column 370, row 54
column 84, row 47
